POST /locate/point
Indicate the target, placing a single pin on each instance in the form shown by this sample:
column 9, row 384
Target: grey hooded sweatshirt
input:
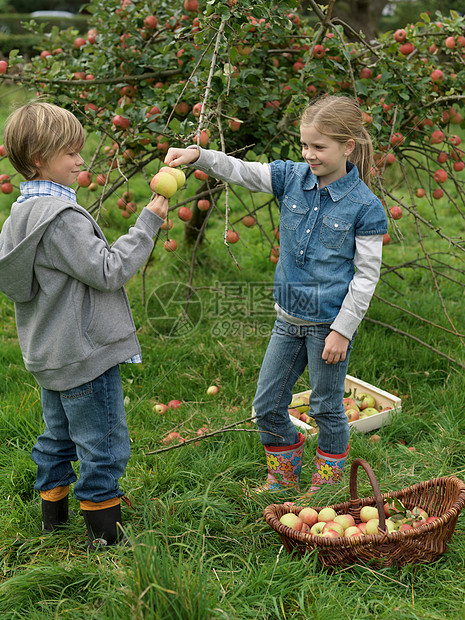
column 72, row 312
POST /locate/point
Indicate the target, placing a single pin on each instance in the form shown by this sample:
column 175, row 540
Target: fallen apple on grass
column 212, row 390
column 160, row 408
column 171, row 438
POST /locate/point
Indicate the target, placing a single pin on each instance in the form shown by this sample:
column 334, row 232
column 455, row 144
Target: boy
column 73, row 317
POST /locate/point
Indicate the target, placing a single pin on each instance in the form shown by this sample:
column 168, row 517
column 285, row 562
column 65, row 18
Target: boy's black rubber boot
column 54, row 514
column 104, row 528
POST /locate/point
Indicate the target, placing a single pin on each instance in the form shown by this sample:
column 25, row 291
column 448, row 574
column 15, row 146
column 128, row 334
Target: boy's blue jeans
column 87, row 423
column 290, row 350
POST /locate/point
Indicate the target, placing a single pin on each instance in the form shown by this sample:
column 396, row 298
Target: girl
column 331, row 231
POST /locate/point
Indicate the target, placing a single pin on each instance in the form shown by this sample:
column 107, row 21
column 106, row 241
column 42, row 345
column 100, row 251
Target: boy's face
column 63, row 168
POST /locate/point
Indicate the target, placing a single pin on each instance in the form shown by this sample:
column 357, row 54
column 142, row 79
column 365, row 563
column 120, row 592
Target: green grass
column 201, row 547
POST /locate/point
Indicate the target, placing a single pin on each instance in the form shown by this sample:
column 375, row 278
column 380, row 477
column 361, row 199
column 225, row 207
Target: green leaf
column 425, row 17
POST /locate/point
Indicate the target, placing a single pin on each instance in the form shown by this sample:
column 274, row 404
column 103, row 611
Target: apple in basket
column 366, row 401
column 367, row 513
column 353, row 530
column 317, row 529
column 345, row 520
column 327, row 514
column 352, row 414
column 333, row 525
column 349, row 403
column 308, row 516
column 365, row 413
column 292, row 521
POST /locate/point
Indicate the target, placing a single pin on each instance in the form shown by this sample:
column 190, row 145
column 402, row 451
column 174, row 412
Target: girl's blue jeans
column 290, row 350
column 86, row 423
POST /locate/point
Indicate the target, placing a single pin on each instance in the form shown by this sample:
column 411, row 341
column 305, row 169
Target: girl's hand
column 335, row 348
column 181, row 157
column 159, row 206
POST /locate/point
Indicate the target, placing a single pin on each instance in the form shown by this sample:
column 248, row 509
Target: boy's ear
column 37, row 161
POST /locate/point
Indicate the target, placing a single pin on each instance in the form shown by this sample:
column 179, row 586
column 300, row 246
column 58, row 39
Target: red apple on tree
column 440, row 176
column 406, row 48
column 437, row 75
column 318, row 51
column 200, row 175
column 6, row 188
column 84, row 178
column 232, row 236
column 121, row 122
column 234, row 124
column 248, row 221
column 150, row 22
column 3, row 66
column 170, row 245
column 400, row 35
column 396, row 212
column 184, row 214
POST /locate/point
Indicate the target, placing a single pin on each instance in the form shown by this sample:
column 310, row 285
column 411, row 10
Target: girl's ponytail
column 362, row 156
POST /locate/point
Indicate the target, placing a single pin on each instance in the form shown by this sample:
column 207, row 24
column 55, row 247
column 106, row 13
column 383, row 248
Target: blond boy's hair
column 38, row 131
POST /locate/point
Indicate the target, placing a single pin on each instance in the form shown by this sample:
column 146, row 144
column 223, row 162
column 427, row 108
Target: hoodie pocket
column 111, row 318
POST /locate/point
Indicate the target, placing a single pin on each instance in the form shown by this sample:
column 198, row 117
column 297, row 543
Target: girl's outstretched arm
column 181, row 157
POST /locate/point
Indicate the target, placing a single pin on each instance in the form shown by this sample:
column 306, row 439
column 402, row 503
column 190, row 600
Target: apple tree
column 234, row 75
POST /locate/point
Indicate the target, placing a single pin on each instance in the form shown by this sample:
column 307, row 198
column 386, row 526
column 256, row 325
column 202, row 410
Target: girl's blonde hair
column 39, row 131
column 340, row 118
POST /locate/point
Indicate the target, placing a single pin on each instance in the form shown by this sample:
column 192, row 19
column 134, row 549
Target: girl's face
column 63, row 168
column 326, row 157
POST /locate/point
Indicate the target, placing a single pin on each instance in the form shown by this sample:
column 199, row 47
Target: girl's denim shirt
column 317, row 238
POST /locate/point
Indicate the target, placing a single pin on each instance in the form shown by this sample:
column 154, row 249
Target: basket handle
column 356, row 463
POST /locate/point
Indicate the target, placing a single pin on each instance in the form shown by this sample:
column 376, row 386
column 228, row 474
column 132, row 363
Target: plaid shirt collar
column 31, row 189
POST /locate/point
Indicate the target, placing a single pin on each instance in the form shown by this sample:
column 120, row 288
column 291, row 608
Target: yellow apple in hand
column 176, row 173
column 164, row 184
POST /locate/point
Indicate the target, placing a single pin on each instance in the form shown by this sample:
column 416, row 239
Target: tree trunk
column 361, row 15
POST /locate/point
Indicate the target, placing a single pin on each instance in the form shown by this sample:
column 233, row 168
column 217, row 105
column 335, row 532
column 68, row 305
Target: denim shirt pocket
column 292, row 212
column 333, row 232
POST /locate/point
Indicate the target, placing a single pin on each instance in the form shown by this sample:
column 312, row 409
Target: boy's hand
column 159, row 206
column 181, row 157
column 335, row 348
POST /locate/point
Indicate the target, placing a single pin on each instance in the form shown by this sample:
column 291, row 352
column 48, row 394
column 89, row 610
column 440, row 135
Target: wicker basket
column 443, row 497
